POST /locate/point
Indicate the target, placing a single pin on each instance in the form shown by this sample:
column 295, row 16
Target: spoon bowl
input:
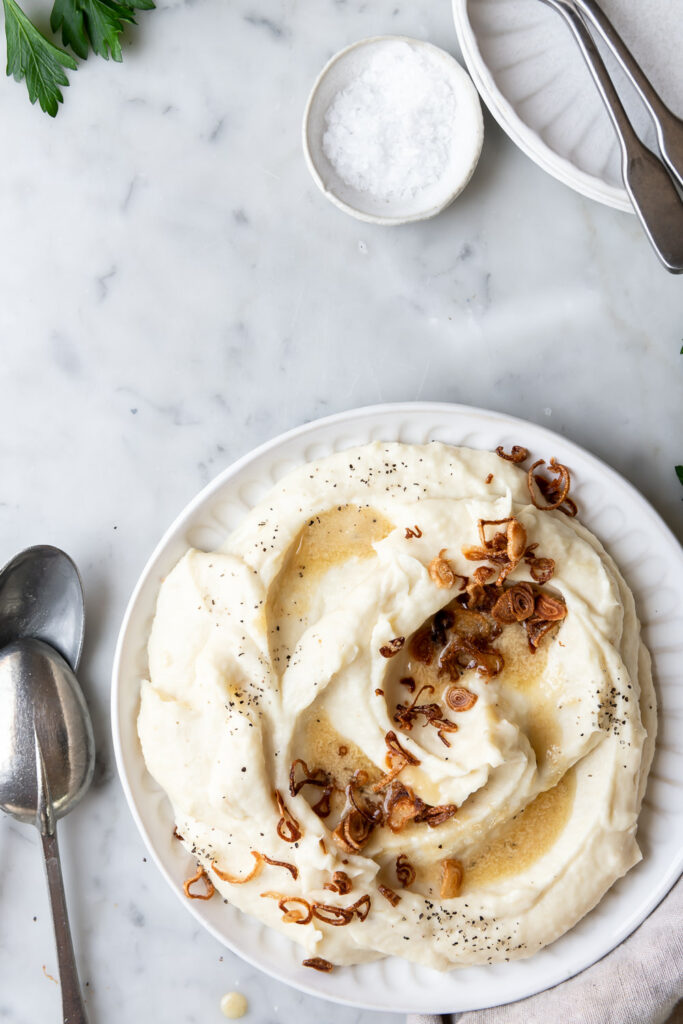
column 41, row 596
column 42, row 709
column 47, row 757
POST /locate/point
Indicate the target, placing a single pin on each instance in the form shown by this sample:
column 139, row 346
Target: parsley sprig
column 85, row 25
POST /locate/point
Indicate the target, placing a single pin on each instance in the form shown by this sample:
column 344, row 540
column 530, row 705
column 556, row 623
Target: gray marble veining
column 175, row 290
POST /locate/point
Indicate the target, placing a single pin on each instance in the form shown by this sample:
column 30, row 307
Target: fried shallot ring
column 411, row 532
column 389, row 895
column 541, row 569
column 395, row 747
column 441, row 571
column 317, row 777
column 459, row 698
column 341, row 883
column 225, row 876
column 318, row 964
column 452, row 875
column 361, row 907
column 555, row 492
column 293, row 870
column 189, row 882
column 288, row 827
column 353, row 831
column 514, row 605
column 405, row 872
column 293, row 916
column 393, row 647
column 516, row 454
column 337, row 916
column 421, row 646
column 550, row 609
column 435, row 816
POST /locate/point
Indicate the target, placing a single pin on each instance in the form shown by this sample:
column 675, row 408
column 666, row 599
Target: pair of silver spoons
column 47, row 750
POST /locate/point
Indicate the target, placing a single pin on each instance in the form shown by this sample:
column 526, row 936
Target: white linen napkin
column 640, row 982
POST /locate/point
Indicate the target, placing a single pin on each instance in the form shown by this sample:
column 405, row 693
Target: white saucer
column 651, row 560
column 532, row 77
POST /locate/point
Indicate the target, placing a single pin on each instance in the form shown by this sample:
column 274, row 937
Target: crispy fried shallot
column 361, row 907
column 541, row 569
column 340, row 883
column 188, row 883
column 555, row 492
column 395, row 747
column 401, row 805
column 421, row 646
column 405, row 872
column 409, row 682
column 514, row 605
column 225, row 876
column 462, row 653
column 441, row 623
column 435, row 816
column 318, row 964
column 441, row 571
column 288, row 827
column 547, row 613
column 516, row 453
column 389, row 895
column 459, row 698
column 317, row 777
column 405, row 716
column 452, row 875
column 337, row 916
column 551, row 609
column 293, row 915
column 413, row 531
column 322, row 808
column 293, row 870
column 393, row 647
column 353, row 831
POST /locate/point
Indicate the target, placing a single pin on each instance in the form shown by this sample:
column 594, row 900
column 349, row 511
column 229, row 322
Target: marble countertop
column 175, row 290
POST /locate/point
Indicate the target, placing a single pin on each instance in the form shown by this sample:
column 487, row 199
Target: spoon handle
column 73, row 1009
column 669, row 127
column 654, row 196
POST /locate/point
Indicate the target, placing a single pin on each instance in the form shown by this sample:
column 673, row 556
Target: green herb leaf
column 31, row 56
column 94, row 23
column 679, row 473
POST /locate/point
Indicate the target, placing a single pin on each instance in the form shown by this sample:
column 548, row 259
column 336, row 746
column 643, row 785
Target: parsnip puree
column 389, row 728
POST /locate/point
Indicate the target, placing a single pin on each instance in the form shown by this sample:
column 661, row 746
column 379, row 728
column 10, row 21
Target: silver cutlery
column 47, row 750
column 653, row 193
column 669, row 128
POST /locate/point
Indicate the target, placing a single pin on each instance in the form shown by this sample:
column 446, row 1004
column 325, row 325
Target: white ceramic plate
column 530, row 74
column 652, row 562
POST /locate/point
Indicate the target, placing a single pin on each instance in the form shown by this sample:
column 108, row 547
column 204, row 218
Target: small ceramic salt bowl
column 463, row 131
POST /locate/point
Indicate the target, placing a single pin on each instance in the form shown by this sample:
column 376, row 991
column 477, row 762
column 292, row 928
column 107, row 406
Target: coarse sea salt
column 390, row 131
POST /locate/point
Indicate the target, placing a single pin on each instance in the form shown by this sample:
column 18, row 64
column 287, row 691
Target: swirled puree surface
column 439, row 731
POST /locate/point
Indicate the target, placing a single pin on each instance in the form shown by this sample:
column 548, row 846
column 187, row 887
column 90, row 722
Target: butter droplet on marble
column 233, row 1005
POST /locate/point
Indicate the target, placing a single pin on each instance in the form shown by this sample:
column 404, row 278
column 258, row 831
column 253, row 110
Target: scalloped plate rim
column 429, row 412
column 589, row 185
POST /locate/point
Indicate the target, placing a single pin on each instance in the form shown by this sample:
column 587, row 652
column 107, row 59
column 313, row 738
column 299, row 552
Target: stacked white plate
column 532, row 77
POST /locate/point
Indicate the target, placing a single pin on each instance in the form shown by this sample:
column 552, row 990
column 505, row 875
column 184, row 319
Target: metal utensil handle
column 669, row 127
column 73, row 1009
column 653, row 193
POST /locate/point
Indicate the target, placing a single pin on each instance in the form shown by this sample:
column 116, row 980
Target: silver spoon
column 47, row 757
column 41, row 596
column 653, row 194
